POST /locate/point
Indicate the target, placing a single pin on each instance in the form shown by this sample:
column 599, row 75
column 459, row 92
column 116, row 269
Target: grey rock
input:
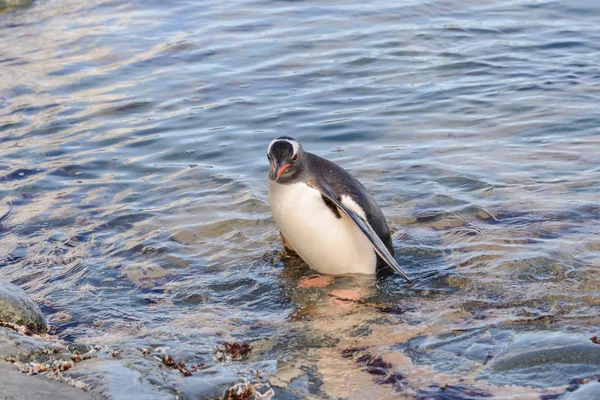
column 211, row 384
column 589, row 391
column 14, row 3
column 15, row 385
column 544, row 359
column 16, row 307
column 24, row 348
column 116, row 379
column 534, row 349
column 289, row 382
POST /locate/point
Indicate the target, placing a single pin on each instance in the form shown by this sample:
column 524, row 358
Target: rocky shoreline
column 34, row 364
column 25, row 343
column 16, row 385
column 17, row 308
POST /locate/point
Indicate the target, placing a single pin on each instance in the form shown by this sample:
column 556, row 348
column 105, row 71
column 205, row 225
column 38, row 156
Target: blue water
column 133, row 186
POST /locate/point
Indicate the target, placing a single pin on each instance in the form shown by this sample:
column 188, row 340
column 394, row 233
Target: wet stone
column 588, row 391
column 17, row 308
column 298, row 388
column 15, row 385
column 450, row 392
column 289, row 382
column 25, row 349
column 213, row 383
column 114, row 379
column 456, row 352
column 545, row 359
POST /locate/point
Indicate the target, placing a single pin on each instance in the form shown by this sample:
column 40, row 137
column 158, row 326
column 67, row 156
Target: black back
column 319, row 171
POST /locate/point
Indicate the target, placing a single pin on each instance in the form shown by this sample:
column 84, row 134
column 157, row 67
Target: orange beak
column 281, row 170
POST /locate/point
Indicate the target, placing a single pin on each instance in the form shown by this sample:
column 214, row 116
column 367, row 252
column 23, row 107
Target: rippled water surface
column 133, row 189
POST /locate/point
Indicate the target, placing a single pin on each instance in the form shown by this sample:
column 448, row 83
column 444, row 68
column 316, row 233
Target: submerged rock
column 118, row 379
column 545, row 359
column 17, row 308
column 589, row 391
column 14, row 3
column 213, row 383
column 18, row 386
column 24, row 348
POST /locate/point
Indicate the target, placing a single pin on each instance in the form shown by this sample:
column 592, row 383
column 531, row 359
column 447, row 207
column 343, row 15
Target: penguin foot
column 314, row 281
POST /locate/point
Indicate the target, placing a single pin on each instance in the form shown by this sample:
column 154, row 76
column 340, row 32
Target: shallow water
column 133, row 189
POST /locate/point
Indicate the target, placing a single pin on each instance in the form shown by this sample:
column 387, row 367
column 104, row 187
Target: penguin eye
column 294, row 157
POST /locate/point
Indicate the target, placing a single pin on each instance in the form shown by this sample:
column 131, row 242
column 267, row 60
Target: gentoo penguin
column 325, row 215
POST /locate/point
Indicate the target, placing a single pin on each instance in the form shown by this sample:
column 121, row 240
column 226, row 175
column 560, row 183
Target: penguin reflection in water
column 325, row 215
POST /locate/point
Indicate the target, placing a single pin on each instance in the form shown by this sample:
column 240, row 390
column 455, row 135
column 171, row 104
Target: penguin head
column 285, row 156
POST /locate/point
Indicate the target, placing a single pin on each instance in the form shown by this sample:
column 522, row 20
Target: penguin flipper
column 366, row 229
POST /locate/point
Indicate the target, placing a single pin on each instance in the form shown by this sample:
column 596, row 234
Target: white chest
column 330, row 245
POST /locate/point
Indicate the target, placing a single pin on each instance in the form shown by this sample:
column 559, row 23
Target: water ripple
column 133, row 179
